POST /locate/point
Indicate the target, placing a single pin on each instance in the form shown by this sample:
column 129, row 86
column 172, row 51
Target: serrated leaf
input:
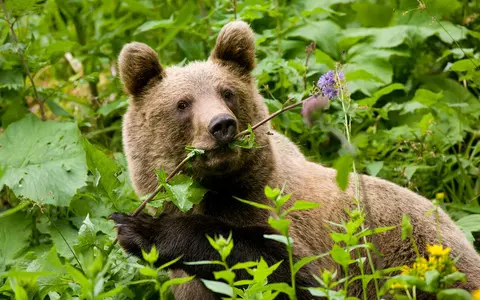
column 87, row 234
column 43, row 161
column 98, row 162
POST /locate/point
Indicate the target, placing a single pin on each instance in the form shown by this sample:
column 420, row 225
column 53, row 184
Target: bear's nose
column 223, row 128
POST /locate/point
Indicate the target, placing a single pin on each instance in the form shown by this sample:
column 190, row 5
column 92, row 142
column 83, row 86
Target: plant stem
column 290, row 261
column 347, row 123
column 23, row 61
column 242, row 133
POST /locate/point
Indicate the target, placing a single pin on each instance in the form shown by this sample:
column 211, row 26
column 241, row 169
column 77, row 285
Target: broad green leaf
column 227, row 275
column 343, row 165
column 432, row 278
column 15, row 232
column 453, row 278
column 469, row 224
column 43, row 161
column 218, row 287
column 454, row 294
column 341, row 256
column 280, row 225
column 374, row 167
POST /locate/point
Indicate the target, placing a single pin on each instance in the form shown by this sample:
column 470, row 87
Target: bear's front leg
column 185, row 236
column 136, row 233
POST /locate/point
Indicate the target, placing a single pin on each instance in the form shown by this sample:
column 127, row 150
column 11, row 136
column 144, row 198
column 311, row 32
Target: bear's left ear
column 138, row 65
column 235, row 46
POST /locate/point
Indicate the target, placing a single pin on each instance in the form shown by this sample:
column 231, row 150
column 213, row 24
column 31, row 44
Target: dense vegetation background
column 411, row 67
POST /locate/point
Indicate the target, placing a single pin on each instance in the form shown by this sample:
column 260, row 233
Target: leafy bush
column 412, row 116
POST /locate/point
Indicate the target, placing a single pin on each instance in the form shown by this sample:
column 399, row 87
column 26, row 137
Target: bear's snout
column 223, row 128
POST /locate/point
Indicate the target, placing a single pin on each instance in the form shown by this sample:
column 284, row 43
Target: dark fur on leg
column 186, row 235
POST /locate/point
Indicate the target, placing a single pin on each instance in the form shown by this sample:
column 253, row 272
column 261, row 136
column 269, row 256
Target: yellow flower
column 405, row 270
column 437, row 250
column 476, row 295
column 397, row 285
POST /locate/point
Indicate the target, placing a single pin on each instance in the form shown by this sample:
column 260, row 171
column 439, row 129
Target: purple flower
column 328, row 85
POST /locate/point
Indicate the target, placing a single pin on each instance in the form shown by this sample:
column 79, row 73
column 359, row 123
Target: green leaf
column 218, row 287
column 374, row 167
column 303, row 205
column 302, row 262
column 453, row 278
column 154, row 24
column 152, row 256
column 407, row 227
column 279, row 238
column 149, row 272
column 105, row 168
column 271, row 193
column 454, row 294
column 43, row 161
column 182, row 190
column 371, row 101
column 341, row 256
column 343, row 165
column 175, row 281
column 255, row 204
column 15, row 232
column 280, row 225
column 227, row 275
column 167, row 264
column 87, row 234
column 432, row 279
column 469, row 224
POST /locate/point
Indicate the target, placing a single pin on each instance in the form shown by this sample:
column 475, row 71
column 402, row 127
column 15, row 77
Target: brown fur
column 155, row 134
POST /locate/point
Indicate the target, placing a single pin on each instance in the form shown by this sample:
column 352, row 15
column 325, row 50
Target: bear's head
column 203, row 104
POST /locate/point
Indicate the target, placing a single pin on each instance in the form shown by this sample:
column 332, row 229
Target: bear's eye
column 227, row 94
column 182, row 105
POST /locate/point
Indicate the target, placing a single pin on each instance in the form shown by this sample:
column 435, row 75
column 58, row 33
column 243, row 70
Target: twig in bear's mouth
column 240, row 134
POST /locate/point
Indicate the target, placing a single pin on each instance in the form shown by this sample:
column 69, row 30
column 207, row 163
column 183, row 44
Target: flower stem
column 347, row 125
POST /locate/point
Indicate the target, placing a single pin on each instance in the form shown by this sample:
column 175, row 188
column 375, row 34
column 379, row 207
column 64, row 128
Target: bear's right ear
column 138, row 65
column 235, row 46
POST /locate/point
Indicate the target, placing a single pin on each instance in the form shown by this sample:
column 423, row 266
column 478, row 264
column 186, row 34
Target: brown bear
column 204, row 104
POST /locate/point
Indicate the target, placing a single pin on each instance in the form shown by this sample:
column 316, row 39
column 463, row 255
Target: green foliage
column 411, row 69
